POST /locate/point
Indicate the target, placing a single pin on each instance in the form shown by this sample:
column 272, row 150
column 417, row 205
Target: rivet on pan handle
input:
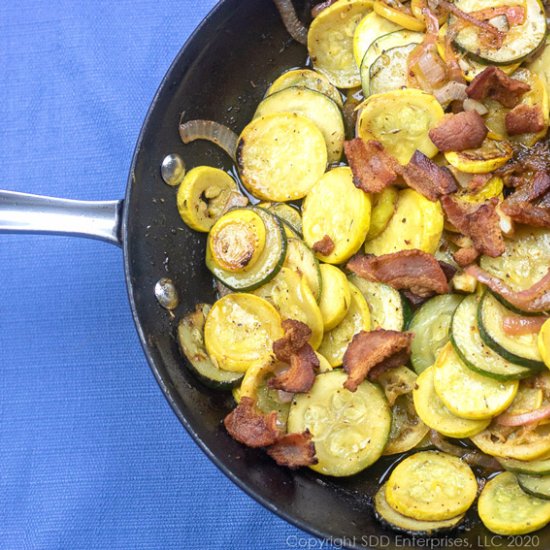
column 25, row 213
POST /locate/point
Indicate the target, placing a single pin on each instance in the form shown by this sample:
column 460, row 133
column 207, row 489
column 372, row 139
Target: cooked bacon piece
column 527, row 213
column 465, row 256
column 535, row 299
column 480, row 223
column 296, row 337
column 299, row 377
column 544, row 202
column 459, row 132
column 415, row 299
column 325, row 246
column 448, row 269
column 412, row 269
column 524, row 119
column 495, row 84
column 368, row 350
column 527, row 159
column 531, row 189
column 522, row 325
column 293, row 450
column 373, row 169
column 478, row 181
column 249, row 426
column 400, row 358
column 426, row 177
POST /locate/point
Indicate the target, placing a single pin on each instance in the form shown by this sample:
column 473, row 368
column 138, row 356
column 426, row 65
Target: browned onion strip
column 522, row 325
column 318, row 8
column 529, row 417
column 209, row 130
column 483, row 25
column 293, row 25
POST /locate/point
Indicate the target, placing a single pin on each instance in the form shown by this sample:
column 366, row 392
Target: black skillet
column 220, row 74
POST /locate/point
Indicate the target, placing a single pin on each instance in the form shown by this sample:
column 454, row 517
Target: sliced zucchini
column 191, row 342
column 467, row 393
column 371, row 27
column 431, row 486
column 309, row 79
column 315, row 106
column 507, row 510
column 289, row 214
column 281, row 156
column 520, row 349
column 300, row 258
column 268, row 262
column 382, row 46
column 202, row 196
column 472, row 350
column 336, row 341
column 520, row 41
column 383, row 208
column 537, row 96
column 431, row 325
column 389, row 70
column 543, row 343
column 330, row 41
column 293, row 299
column 407, row 429
column 388, row 516
column 240, row 330
column 336, row 296
column 527, row 399
column 436, row 415
column 541, row 65
column 335, row 207
column 386, row 305
column 349, row 430
column 525, row 259
column 539, row 467
column 491, row 155
column 417, row 223
column 518, row 443
column 408, row 113
column 398, row 16
column 537, row 486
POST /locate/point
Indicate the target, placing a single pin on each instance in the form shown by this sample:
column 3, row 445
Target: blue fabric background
column 91, row 456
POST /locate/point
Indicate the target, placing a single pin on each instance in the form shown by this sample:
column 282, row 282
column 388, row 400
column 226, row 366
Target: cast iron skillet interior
column 221, row 74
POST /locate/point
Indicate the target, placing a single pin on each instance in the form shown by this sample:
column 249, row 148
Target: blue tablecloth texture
column 91, row 455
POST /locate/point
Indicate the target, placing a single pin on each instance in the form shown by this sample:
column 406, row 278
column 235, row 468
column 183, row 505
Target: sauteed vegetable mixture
column 383, row 262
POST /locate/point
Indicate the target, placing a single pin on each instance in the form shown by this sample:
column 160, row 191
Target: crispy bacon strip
column 531, row 189
column 426, row 177
column 293, row 450
column 524, row 119
column 535, row 299
column 478, row 181
column 300, row 376
column 480, row 223
column 527, row 213
column 495, row 84
column 412, row 269
column 522, row 325
column 373, row 169
column 249, row 426
column 325, row 246
column 466, row 256
column 368, row 350
column 296, row 337
column 465, row 130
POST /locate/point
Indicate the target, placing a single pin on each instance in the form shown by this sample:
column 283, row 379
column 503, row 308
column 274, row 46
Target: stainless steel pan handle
column 25, row 213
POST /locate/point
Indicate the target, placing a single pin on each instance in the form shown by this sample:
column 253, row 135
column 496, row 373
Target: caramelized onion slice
column 210, row 130
column 293, row 25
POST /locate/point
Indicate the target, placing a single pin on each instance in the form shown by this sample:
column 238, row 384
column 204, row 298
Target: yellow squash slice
column 335, row 207
column 416, row 223
column 202, row 196
column 543, row 343
column 336, row 341
column 240, row 330
column 335, row 297
column 371, row 27
column 541, row 65
column 330, row 41
column 398, row 17
column 293, row 299
column 431, row 486
column 400, row 120
column 383, row 208
column 436, row 415
column 466, row 393
column 491, row 155
column 281, row 156
column 505, row 509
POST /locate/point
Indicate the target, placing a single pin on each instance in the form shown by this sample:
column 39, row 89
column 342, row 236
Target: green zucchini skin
column 190, row 335
column 473, row 351
column 539, row 467
column 268, row 265
column 514, row 309
column 491, row 342
column 537, row 486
